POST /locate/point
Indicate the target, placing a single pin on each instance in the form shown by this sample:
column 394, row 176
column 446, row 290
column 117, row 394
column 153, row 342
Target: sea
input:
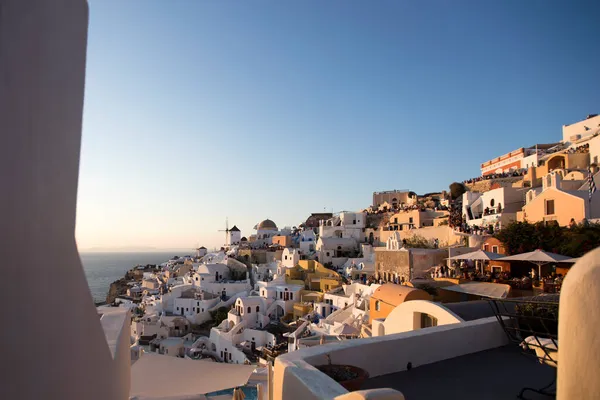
column 103, row 268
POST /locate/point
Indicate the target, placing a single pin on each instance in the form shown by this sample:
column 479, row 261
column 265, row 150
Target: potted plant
column 349, row 376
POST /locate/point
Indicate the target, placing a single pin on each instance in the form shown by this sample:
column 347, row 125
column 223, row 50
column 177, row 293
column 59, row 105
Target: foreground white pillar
column 53, row 346
column 578, row 336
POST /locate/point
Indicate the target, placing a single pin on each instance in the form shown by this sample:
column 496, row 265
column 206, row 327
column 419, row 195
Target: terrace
column 468, row 360
column 470, row 376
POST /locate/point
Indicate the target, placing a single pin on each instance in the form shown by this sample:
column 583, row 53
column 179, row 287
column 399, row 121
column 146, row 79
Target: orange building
column 388, row 296
column 493, row 245
column 283, row 241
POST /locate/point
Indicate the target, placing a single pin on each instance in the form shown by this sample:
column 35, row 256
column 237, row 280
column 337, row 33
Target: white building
column 265, row 230
column 232, row 344
column 496, row 207
column 307, row 241
column 344, row 225
column 336, row 250
column 194, row 305
column 215, row 279
column 210, row 273
column 579, row 130
column 172, row 347
column 163, row 326
column 236, row 335
column 290, row 257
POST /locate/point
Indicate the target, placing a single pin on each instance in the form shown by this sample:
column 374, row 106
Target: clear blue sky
column 198, row 110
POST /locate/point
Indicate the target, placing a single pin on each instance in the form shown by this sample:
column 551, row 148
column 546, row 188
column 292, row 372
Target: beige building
column 554, row 203
column 395, row 198
column 403, row 265
column 416, row 219
column 558, row 161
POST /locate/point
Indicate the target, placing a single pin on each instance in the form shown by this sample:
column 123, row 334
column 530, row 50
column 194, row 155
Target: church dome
column 266, row 225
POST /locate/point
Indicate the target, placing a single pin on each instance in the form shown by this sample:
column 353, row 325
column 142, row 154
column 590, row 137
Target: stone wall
column 393, row 262
column 486, row 185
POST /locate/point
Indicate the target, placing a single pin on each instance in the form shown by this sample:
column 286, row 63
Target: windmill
column 226, row 231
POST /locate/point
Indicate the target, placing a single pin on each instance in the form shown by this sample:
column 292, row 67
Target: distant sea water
column 102, row 268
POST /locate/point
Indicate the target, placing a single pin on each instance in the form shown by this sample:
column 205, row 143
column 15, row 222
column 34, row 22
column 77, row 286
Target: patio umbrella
column 238, row 394
column 538, row 257
column 478, row 255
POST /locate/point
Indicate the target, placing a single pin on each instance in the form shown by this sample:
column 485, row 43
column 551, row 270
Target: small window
column 354, row 222
column 229, row 356
column 291, row 296
column 249, row 309
column 257, row 308
column 549, row 207
column 377, row 305
column 486, row 247
column 177, row 308
column 495, row 249
column 492, row 202
column 410, row 220
column 428, row 321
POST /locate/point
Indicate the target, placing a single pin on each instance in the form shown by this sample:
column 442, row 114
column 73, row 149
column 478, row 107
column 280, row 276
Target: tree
column 219, row 315
column 417, row 242
column 522, row 237
column 456, row 190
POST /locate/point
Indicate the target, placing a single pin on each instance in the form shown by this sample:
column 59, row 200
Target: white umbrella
column 477, row 255
column 538, row 257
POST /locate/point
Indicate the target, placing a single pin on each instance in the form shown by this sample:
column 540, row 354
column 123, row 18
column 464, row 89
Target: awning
column 183, row 377
column 484, row 289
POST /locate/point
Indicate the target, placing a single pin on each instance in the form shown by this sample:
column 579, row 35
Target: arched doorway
column 556, row 162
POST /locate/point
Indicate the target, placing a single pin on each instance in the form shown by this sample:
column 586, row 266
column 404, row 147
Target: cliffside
column 117, row 288
column 485, row 185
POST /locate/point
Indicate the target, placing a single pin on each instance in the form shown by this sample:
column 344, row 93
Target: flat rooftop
column 495, row 374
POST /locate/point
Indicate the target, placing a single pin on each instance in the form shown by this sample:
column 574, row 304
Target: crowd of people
column 475, row 230
column 515, row 173
column 402, row 208
column 584, row 148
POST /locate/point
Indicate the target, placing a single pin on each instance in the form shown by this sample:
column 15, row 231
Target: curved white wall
column 406, row 317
